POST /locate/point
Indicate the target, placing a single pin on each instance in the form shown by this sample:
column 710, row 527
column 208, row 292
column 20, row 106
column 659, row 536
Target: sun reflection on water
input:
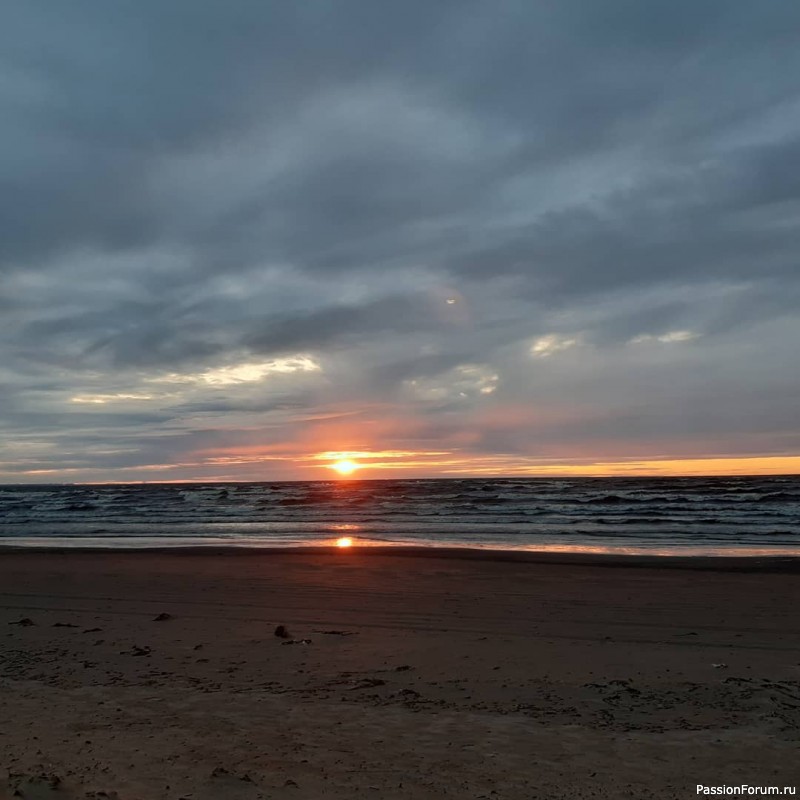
column 344, row 541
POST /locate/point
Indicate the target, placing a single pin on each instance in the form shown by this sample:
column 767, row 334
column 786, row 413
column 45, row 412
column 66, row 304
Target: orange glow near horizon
column 460, row 464
column 457, row 462
column 640, row 468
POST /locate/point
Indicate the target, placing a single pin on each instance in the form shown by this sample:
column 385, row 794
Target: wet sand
column 424, row 677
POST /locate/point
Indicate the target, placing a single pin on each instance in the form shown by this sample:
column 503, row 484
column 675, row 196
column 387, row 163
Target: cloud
column 466, row 382
column 546, row 346
column 670, row 337
column 102, row 399
column 248, row 372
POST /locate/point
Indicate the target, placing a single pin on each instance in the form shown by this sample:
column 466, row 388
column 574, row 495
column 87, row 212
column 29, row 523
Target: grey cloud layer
column 194, row 184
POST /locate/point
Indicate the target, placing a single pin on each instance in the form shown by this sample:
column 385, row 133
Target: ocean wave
column 610, row 499
column 778, row 497
column 465, row 510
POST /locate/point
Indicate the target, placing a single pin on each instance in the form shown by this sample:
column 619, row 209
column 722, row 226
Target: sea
column 655, row 516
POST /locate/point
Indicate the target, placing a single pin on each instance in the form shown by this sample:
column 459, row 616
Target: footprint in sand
column 34, row 787
column 46, row 786
column 228, row 784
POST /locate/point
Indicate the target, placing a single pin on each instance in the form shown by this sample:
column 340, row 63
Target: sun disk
column 345, row 467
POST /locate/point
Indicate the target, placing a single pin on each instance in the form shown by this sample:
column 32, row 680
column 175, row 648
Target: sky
column 243, row 240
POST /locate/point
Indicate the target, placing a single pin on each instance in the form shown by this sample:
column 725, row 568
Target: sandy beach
column 151, row 675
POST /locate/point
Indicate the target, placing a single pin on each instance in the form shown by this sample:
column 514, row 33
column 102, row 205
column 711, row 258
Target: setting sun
column 345, row 467
column 345, row 541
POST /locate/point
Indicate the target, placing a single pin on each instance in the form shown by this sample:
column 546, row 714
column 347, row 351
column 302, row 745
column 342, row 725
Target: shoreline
column 757, row 562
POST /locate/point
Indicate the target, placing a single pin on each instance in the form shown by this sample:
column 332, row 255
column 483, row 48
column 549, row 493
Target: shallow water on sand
column 737, row 515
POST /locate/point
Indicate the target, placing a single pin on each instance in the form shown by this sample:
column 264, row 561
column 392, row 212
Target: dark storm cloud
column 398, row 190
column 97, row 93
column 713, row 222
column 330, row 325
